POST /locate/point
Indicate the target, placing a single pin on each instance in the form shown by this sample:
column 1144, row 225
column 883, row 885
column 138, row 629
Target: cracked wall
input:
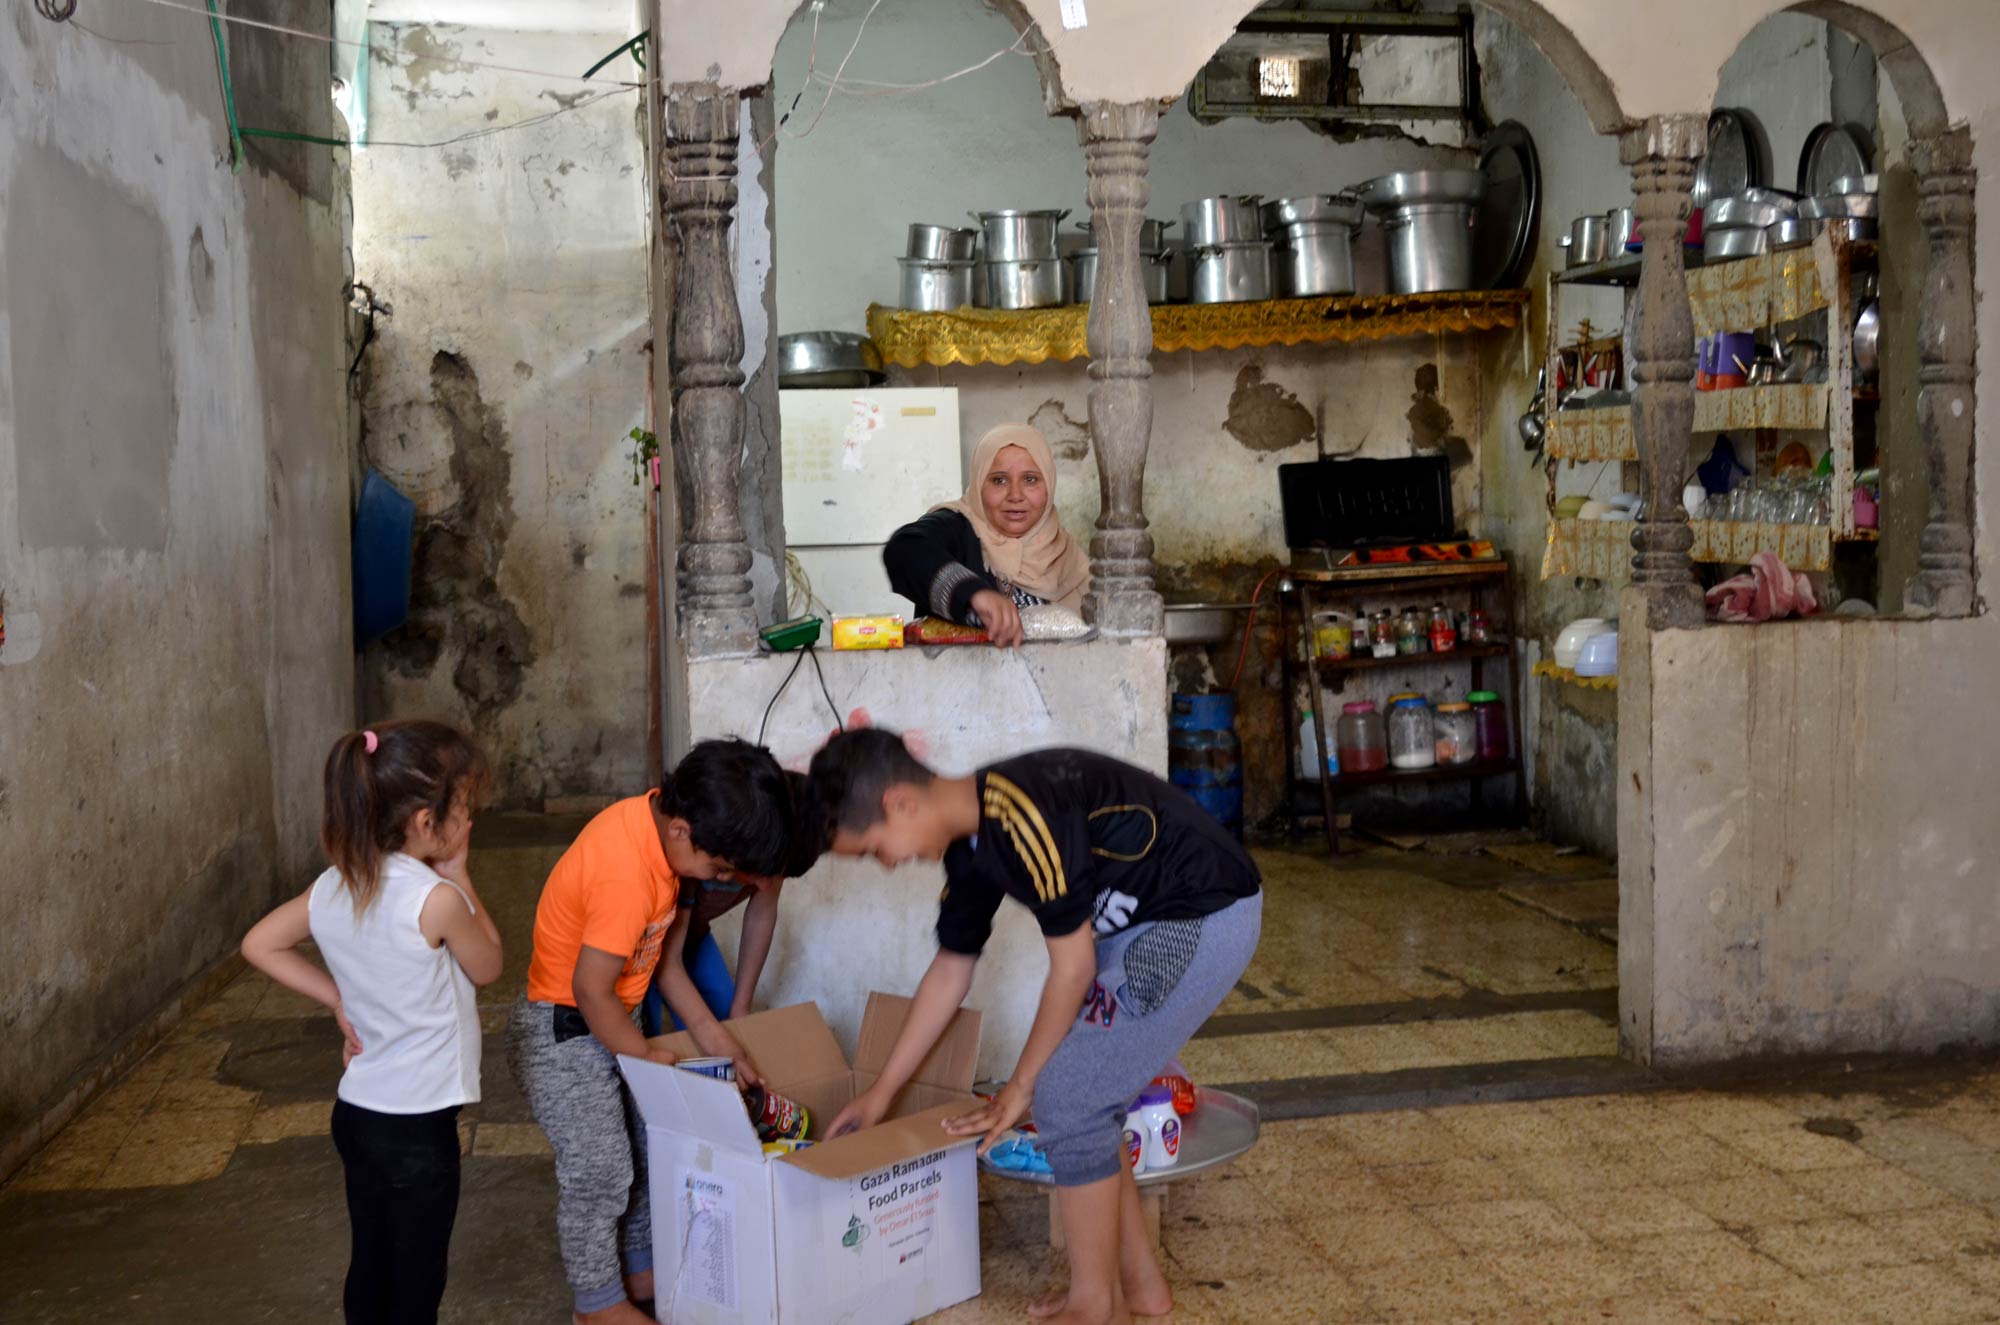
column 498, row 396
column 174, row 509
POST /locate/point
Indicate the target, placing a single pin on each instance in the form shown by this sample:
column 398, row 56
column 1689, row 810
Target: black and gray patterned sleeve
column 935, row 563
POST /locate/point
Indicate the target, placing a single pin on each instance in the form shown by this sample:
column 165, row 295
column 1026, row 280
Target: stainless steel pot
column 1752, row 208
column 1741, row 241
column 1831, row 205
column 1226, row 219
column 1037, row 283
column 1848, row 227
column 1152, row 234
column 941, row 243
column 936, row 287
column 1083, row 275
column 1588, row 237
column 1426, row 219
column 1020, row 236
column 1622, row 223
column 841, row 359
column 1230, row 273
column 1343, row 208
column 1789, row 233
column 1315, row 258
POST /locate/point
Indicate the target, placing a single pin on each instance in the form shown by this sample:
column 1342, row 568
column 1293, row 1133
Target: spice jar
column 1457, row 733
column 1476, row 629
column 1489, row 717
column 1444, row 635
column 1412, row 734
column 1361, row 739
column 1384, row 635
column 1412, row 632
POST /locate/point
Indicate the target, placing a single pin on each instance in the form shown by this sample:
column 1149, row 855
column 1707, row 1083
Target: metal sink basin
column 1204, row 623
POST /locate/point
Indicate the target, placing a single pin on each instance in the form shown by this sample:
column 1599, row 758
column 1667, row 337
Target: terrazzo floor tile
column 1446, row 1181
column 1763, row 1198
column 1795, row 1150
column 1443, row 1289
column 1702, row 1262
column 1565, row 1272
column 1870, row 1189
column 1478, row 1225
column 284, row 1122
column 1940, row 1232
column 510, row 1139
column 1829, row 1246
column 1383, row 1237
column 1908, row 1295
column 1638, row 1212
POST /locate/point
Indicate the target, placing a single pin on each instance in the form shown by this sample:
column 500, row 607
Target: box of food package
column 879, row 1227
column 868, row 632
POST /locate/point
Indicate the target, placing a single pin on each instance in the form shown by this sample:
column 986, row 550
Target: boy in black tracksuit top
column 1151, row 912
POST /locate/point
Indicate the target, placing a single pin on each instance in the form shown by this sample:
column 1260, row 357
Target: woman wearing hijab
column 981, row 559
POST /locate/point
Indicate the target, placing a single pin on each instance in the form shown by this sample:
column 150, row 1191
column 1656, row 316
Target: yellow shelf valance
column 1568, row 677
column 973, row 336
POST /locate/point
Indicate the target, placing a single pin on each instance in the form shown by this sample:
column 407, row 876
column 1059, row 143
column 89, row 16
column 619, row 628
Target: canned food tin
column 722, row 1069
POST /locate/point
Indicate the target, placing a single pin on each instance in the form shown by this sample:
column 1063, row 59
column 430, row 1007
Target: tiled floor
column 209, row 1168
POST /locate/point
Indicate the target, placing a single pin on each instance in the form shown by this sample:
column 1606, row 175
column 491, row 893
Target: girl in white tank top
column 404, row 938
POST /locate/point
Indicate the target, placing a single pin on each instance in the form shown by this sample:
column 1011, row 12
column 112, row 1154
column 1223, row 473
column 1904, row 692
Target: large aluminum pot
column 1624, row 226
column 1589, row 241
column 1314, row 258
column 1739, row 241
column 1751, row 208
column 936, row 287
column 1037, row 283
column 1344, row 208
column 1426, row 218
column 1020, row 236
column 841, row 359
column 941, row 243
column 1225, row 219
column 1230, row 273
column 1083, row 275
column 1152, row 234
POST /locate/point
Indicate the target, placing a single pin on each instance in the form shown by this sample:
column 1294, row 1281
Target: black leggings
column 402, row 1198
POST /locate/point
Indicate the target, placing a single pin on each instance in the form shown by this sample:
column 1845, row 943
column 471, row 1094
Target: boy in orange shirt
column 727, row 811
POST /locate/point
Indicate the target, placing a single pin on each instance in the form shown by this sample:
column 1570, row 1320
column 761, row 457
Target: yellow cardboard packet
column 868, row 632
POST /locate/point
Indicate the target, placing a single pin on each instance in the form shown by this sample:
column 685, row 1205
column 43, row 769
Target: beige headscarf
column 1045, row 561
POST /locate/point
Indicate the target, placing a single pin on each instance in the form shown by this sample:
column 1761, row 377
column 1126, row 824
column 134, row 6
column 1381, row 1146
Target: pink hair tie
column 370, row 740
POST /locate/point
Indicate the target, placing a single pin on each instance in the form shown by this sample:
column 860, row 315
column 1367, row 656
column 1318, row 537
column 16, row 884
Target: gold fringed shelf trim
column 1731, row 542
column 1596, row 549
column 1567, row 677
column 972, row 336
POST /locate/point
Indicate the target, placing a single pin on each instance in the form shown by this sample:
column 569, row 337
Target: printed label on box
column 707, row 1221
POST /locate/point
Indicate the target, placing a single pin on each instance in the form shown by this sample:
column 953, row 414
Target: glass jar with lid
column 1489, row 718
column 1457, row 733
column 1361, row 740
column 1477, row 631
column 1443, row 630
column 1412, row 734
column 1412, row 632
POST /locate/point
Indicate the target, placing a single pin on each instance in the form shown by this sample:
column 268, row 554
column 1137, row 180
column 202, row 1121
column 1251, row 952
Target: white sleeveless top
column 411, row 1005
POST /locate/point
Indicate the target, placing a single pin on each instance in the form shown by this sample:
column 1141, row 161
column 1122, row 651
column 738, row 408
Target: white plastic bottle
column 1134, row 1141
column 1330, row 761
column 1162, row 1125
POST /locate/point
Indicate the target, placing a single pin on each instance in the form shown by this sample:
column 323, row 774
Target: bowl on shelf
column 1599, row 655
column 1569, row 644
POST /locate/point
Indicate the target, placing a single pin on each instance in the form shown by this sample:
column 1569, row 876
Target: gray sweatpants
column 1156, row 984
column 580, row 1100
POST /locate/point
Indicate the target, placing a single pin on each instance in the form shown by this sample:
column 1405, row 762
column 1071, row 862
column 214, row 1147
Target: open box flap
column 787, row 1044
column 690, row 1102
column 885, row 1143
column 953, row 1062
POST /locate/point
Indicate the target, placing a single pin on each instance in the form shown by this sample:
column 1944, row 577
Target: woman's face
column 1016, row 492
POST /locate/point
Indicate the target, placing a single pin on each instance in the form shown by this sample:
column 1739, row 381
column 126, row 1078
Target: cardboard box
column 878, row 1228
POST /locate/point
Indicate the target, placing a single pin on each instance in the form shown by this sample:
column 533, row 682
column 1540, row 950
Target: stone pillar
column 1945, row 345
column 1117, row 137
column 718, row 614
column 1662, row 154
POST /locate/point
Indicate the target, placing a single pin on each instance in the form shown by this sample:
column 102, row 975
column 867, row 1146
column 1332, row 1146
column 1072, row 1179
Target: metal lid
column 1831, row 154
column 1734, row 160
column 1509, row 213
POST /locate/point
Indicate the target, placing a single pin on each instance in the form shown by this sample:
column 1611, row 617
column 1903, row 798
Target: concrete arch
column 1916, row 86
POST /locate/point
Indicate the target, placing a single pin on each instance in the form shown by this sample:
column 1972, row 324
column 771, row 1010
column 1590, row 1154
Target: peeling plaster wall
column 500, row 389
column 174, row 508
column 849, row 927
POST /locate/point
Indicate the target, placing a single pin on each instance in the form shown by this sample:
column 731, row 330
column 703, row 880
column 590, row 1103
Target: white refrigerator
column 858, row 465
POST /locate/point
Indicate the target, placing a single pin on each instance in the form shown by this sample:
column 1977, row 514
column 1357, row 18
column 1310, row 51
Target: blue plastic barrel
column 1204, row 757
column 385, row 524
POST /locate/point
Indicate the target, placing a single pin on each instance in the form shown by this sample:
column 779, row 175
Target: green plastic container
column 786, row 636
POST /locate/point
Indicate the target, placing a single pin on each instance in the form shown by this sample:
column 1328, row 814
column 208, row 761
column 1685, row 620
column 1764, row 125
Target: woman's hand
column 350, row 1042
column 862, row 1114
column 998, row 1118
column 1000, row 617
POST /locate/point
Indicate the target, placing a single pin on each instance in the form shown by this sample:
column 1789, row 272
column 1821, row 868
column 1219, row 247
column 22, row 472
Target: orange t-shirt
column 612, row 890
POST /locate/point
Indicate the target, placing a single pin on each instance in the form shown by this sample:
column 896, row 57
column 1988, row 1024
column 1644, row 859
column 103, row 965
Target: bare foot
column 1112, row 1314
column 1153, row 1299
column 622, row 1314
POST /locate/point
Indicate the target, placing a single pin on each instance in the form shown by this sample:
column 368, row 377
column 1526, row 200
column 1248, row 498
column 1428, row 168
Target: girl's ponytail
column 376, row 780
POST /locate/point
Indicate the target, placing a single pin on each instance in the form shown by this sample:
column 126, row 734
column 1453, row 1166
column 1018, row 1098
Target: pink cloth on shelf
column 1768, row 591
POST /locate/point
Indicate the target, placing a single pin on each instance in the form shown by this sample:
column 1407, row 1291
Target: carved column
column 1117, row 137
column 1662, row 153
column 718, row 616
column 1945, row 345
